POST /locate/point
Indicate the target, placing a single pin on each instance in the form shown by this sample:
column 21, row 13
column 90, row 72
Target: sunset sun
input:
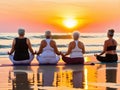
column 70, row 23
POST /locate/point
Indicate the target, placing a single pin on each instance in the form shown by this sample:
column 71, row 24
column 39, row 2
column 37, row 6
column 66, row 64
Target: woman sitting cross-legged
column 109, row 49
column 75, row 50
column 48, row 52
column 21, row 47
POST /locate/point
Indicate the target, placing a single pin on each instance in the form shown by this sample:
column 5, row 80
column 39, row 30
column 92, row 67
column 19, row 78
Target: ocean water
column 93, row 41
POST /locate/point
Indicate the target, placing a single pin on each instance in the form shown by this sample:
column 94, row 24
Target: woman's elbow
column 83, row 52
column 57, row 52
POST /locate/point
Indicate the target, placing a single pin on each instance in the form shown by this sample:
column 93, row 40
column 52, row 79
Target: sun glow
column 70, row 23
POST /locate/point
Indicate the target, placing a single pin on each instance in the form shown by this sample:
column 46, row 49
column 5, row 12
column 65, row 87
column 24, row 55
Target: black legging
column 108, row 58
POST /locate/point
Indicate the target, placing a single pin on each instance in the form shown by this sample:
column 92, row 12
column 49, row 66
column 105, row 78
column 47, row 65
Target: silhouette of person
column 77, row 74
column 47, row 74
column 21, row 81
column 111, row 75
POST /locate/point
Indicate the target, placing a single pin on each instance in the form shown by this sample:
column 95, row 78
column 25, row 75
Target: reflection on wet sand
column 111, row 75
column 68, row 76
column 19, row 78
column 45, row 75
column 101, row 77
column 23, row 78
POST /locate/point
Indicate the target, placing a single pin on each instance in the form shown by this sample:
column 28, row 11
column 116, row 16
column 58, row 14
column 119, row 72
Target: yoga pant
column 108, row 58
column 28, row 61
column 48, row 60
column 78, row 60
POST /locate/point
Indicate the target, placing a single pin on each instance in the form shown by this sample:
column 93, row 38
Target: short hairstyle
column 76, row 34
column 48, row 33
column 21, row 31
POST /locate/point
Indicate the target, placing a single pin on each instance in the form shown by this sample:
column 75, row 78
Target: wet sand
column 6, row 61
column 60, row 77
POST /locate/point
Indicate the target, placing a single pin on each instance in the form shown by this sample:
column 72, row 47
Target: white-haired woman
column 21, row 47
column 109, row 49
column 76, row 50
column 48, row 52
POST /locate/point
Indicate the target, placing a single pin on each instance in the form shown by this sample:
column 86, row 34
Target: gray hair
column 21, row 31
column 48, row 33
column 76, row 34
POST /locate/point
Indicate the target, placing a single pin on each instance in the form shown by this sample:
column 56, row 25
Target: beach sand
column 6, row 60
column 59, row 77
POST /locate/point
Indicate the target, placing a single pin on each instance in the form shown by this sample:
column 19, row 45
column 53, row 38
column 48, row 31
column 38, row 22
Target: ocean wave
column 31, row 37
column 64, row 36
column 94, row 45
column 5, row 38
column 89, row 36
column 3, row 53
column 33, row 45
column 5, row 46
column 92, row 52
column 54, row 36
column 61, row 36
column 37, row 45
column 61, row 46
column 92, row 36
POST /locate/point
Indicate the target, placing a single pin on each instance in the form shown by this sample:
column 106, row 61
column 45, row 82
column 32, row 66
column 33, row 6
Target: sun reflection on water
column 60, row 77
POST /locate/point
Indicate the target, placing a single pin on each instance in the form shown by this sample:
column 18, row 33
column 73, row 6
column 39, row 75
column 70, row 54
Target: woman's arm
column 13, row 48
column 30, row 46
column 69, row 49
column 116, row 43
column 56, row 49
column 83, row 48
column 104, row 48
column 40, row 48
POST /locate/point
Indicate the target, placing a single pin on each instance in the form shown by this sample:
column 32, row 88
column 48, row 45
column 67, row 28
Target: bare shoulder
column 27, row 39
column 106, row 41
column 14, row 40
column 53, row 43
column 81, row 43
column 115, row 41
column 43, row 41
column 52, row 40
column 72, row 42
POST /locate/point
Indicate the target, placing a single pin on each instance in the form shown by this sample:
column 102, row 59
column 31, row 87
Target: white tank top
column 76, row 52
column 48, row 51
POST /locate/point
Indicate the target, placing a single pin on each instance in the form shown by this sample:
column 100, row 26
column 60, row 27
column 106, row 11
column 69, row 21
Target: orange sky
column 39, row 15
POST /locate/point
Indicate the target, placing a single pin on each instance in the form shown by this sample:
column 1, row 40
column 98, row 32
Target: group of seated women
column 48, row 53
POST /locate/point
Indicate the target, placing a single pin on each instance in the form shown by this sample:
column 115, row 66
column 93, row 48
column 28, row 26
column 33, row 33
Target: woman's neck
column 48, row 38
column 75, row 39
column 110, row 38
column 21, row 36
